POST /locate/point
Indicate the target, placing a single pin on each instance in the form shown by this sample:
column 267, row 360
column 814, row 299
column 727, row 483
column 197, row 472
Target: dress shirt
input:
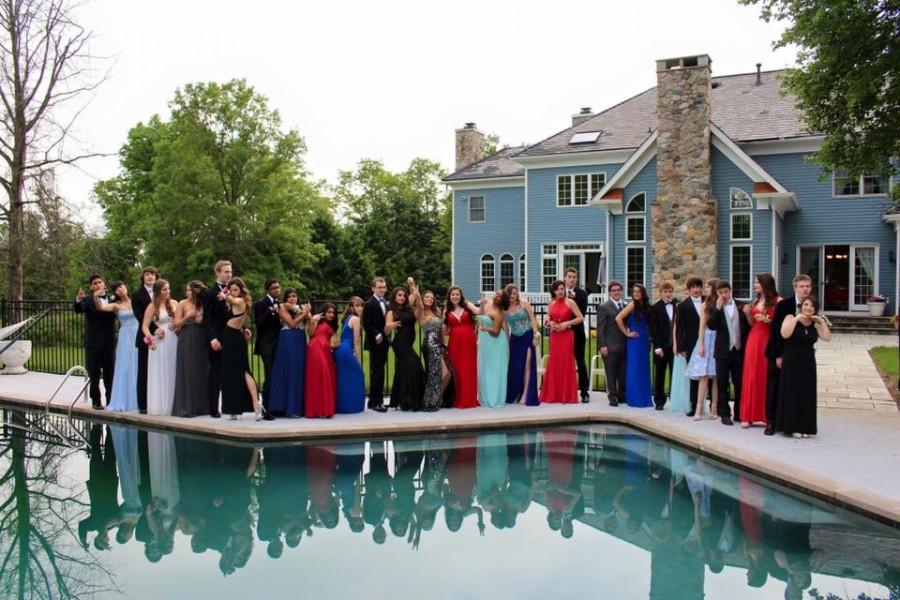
column 697, row 303
column 670, row 310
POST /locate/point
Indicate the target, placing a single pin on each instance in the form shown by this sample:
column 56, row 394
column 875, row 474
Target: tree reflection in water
column 692, row 517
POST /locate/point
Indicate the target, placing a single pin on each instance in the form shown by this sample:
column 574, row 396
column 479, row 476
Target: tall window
column 634, row 267
column 487, row 273
column 576, row 190
column 742, row 272
column 476, row 209
column 522, row 287
column 507, row 270
column 864, row 185
column 742, row 217
column 863, row 274
column 549, row 256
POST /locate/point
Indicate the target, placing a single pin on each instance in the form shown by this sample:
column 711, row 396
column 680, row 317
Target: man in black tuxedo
column 775, row 347
column 215, row 316
column 268, row 327
column 662, row 320
column 99, row 339
column 732, row 329
column 687, row 325
column 376, row 342
column 611, row 342
column 580, row 296
column 141, row 298
column 102, row 486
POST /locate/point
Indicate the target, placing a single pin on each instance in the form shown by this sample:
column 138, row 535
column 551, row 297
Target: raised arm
column 108, row 307
column 788, row 326
column 822, row 328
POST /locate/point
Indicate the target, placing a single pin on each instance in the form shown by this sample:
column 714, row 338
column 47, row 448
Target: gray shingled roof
column 743, row 110
column 495, row 165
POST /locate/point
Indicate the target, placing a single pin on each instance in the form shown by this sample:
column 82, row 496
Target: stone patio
column 848, row 377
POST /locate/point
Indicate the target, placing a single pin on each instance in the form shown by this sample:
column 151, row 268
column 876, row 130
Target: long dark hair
column 641, row 306
column 392, row 301
column 323, row 310
column 348, row 312
column 769, row 290
column 197, row 288
column 449, row 306
column 710, row 302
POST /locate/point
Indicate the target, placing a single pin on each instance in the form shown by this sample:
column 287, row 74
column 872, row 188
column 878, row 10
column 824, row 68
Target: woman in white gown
column 164, row 350
column 164, row 490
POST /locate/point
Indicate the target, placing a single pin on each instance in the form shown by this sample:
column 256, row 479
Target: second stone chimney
column 583, row 115
column 684, row 214
column 469, row 146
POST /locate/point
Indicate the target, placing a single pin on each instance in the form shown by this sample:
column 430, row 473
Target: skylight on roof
column 586, row 137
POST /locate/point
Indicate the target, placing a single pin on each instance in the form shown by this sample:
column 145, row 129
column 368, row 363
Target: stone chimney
column 469, row 146
column 583, row 115
column 684, row 214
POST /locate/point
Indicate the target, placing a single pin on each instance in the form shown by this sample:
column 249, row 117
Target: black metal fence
column 58, row 338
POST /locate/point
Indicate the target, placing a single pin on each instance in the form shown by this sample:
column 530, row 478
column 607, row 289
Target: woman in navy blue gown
column 634, row 320
column 289, row 371
column 351, row 392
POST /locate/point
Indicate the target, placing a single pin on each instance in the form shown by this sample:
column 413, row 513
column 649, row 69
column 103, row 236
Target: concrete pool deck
column 854, row 461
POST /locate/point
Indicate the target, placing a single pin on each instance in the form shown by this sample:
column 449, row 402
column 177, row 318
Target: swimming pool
column 596, row 511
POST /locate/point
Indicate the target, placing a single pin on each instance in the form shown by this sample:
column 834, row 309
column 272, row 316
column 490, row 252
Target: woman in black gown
column 408, row 388
column 796, row 414
column 239, row 389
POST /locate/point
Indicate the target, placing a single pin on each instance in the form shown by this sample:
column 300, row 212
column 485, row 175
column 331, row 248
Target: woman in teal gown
column 493, row 351
column 680, row 384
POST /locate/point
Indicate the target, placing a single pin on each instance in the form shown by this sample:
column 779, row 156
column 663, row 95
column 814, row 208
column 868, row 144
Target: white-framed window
column 522, row 287
column 843, row 185
column 741, row 227
column 507, row 270
column 549, row 262
column 636, row 226
column 488, row 281
column 576, row 190
column 742, row 272
column 476, row 209
column 634, row 267
column 740, row 200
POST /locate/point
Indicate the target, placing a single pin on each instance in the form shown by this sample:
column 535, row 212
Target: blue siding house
column 586, row 197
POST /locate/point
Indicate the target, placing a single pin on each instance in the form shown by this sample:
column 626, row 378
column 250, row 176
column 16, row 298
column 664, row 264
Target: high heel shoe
column 233, row 417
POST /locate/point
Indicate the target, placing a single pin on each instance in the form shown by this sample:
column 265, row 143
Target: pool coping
column 881, row 508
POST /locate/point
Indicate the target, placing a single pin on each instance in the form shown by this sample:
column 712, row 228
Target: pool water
column 598, row 511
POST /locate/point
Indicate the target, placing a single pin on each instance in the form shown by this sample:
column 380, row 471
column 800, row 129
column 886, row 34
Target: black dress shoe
column 585, row 399
column 143, row 411
column 613, row 402
column 215, row 415
column 380, row 408
column 727, row 421
column 658, row 407
column 770, row 430
column 97, row 407
column 267, row 417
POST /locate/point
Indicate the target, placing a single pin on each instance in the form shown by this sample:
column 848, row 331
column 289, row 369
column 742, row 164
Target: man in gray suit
column 612, row 344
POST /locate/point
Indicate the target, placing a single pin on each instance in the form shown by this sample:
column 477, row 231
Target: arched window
column 741, row 222
column 635, row 237
column 522, row 273
column 507, row 270
column 740, row 200
column 488, row 281
column 637, row 204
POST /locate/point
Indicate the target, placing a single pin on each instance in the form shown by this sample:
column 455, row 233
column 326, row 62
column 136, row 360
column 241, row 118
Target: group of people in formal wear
column 228, row 501
column 190, row 357
column 759, row 355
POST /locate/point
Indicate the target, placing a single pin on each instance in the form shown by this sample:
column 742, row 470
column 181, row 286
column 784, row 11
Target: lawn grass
column 887, row 359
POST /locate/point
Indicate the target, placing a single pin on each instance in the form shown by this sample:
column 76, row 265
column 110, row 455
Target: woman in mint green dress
column 493, row 351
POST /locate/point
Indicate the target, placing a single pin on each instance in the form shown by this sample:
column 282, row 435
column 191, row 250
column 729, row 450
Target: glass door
column 837, row 278
column 810, row 264
column 863, row 275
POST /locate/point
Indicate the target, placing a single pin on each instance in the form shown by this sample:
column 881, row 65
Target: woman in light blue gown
column 680, row 385
column 124, row 389
column 493, row 351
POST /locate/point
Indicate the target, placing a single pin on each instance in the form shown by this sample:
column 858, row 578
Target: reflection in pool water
column 593, row 511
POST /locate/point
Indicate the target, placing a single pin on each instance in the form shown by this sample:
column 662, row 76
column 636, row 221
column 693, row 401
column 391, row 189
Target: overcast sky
column 392, row 80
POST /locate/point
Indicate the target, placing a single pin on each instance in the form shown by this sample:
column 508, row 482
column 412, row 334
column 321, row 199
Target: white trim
column 796, row 145
column 515, row 266
column 780, row 203
column 628, row 171
column 590, row 184
column 607, row 250
column 526, row 253
column 453, row 240
column 741, row 159
column 875, row 280
column 776, row 249
column 627, row 291
column 575, row 159
column 632, row 217
column 731, row 226
column 468, row 201
column 731, row 268
column 820, row 293
column 481, row 263
column 522, row 275
column 486, row 183
column 861, row 183
column 731, row 191
column 571, row 190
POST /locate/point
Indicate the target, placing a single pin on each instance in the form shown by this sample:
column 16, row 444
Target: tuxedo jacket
column 775, row 347
column 688, row 323
column 140, row 300
column 215, row 312
column 373, row 324
column 661, row 325
column 608, row 333
column 99, row 326
column 581, row 300
column 268, row 325
column 719, row 323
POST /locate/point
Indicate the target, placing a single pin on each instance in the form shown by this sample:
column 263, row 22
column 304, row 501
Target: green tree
column 847, row 79
column 219, row 179
column 400, row 219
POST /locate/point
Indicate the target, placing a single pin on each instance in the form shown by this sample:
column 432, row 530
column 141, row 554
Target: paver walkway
column 848, row 377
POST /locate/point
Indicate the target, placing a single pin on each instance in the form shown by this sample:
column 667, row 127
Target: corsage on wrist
column 148, row 340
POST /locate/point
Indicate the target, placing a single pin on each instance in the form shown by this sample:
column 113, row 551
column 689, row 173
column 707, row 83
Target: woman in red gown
column 756, row 365
column 560, row 383
column 460, row 322
column 321, row 373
